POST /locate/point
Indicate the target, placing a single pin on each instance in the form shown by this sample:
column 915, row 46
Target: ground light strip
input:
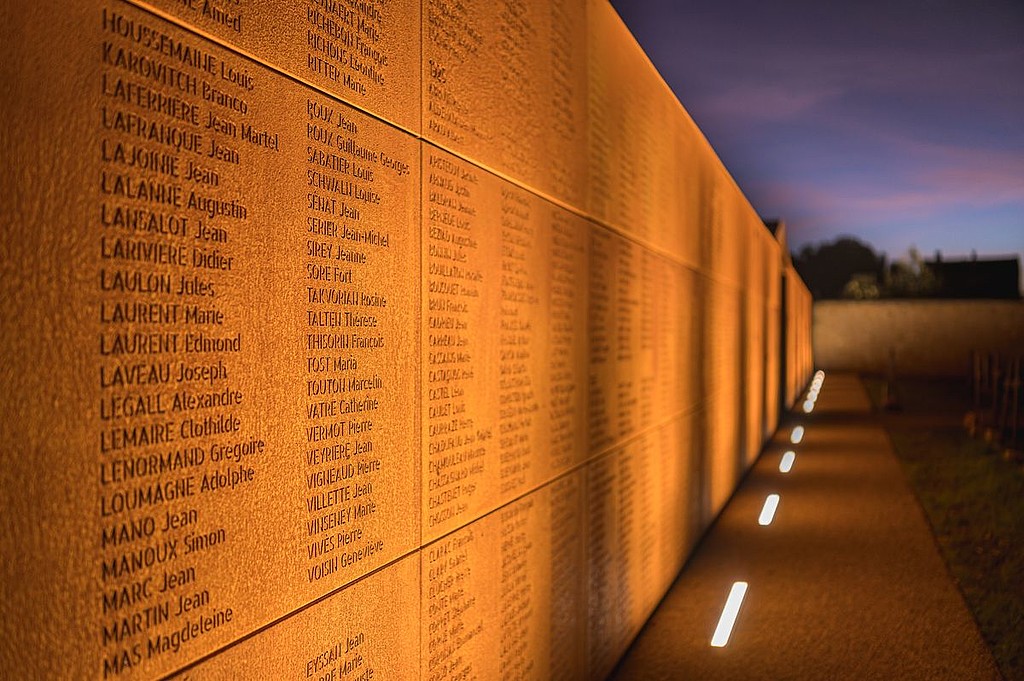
column 729, row 612
column 787, row 461
column 812, row 394
column 771, row 503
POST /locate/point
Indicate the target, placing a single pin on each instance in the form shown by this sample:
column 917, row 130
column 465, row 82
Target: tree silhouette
column 910, row 277
column 827, row 267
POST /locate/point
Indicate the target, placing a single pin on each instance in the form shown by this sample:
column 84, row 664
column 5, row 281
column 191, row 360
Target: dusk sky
column 898, row 122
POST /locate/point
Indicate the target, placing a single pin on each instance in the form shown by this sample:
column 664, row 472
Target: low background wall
column 930, row 337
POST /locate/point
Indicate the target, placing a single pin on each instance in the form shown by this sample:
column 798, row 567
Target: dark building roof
column 985, row 278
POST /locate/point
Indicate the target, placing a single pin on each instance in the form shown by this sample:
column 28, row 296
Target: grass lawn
column 974, row 501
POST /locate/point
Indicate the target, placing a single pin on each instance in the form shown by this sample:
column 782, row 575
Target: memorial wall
column 799, row 321
column 364, row 339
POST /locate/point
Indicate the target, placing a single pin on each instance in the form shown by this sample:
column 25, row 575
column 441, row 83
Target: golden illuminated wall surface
column 799, row 319
column 353, row 339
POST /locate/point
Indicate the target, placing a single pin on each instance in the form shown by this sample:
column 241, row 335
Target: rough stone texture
column 331, row 324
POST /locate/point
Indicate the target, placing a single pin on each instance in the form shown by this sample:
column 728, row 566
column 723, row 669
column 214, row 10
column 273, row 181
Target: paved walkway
column 846, row 583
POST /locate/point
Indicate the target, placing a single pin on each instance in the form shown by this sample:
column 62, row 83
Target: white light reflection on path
column 787, row 461
column 729, row 613
column 771, row 503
